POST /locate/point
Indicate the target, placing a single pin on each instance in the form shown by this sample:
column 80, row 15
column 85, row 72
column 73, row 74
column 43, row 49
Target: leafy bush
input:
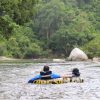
column 3, row 48
column 63, row 41
column 93, row 47
column 22, row 45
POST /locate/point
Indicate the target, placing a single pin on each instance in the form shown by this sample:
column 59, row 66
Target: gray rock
column 77, row 55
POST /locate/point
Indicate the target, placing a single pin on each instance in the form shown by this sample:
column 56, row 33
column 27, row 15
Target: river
column 14, row 86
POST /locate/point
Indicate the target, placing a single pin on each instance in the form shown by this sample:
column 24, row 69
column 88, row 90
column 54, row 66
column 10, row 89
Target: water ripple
column 13, row 82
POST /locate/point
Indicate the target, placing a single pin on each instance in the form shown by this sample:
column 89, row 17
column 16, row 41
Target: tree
column 92, row 48
column 50, row 17
column 6, row 26
column 21, row 11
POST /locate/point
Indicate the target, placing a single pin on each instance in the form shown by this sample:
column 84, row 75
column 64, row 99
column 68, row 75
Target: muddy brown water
column 14, row 86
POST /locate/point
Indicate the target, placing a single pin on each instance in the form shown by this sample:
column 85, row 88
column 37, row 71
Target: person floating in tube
column 46, row 74
column 75, row 73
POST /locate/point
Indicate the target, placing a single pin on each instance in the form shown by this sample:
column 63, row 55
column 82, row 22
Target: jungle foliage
column 49, row 28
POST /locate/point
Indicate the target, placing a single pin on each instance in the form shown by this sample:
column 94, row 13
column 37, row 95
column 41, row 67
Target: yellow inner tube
column 60, row 80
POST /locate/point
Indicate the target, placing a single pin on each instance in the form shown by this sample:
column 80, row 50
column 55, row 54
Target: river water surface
column 14, row 86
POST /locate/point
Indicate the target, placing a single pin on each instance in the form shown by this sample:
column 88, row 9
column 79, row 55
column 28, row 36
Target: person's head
column 76, row 72
column 46, row 68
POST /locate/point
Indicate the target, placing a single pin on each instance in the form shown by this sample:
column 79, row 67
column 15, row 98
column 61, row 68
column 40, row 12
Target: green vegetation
column 49, row 28
column 93, row 47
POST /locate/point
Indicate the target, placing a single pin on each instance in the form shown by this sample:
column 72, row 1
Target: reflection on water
column 14, row 77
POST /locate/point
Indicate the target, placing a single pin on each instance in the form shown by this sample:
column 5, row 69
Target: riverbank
column 39, row 60
column 13, row 60
column 4, row 59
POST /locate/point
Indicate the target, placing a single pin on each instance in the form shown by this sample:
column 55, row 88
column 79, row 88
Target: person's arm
column 45, row 75
column 53, row 76
column 35, row 78
column 66, row 76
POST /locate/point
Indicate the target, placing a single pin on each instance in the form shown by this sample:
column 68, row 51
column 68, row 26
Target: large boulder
column 77, row 55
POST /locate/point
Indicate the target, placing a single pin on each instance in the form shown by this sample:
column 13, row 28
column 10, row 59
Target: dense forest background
column 49, row 28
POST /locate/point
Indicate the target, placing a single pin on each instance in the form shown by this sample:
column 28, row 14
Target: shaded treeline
column 49, row 28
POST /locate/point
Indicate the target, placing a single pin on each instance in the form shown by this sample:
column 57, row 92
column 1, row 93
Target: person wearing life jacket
column 75, row 73
column 46, row 74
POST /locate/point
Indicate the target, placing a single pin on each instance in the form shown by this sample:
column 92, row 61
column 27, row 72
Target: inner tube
column 59, row 80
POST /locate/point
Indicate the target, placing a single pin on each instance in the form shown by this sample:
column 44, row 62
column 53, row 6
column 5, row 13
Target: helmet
column 76, row 72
